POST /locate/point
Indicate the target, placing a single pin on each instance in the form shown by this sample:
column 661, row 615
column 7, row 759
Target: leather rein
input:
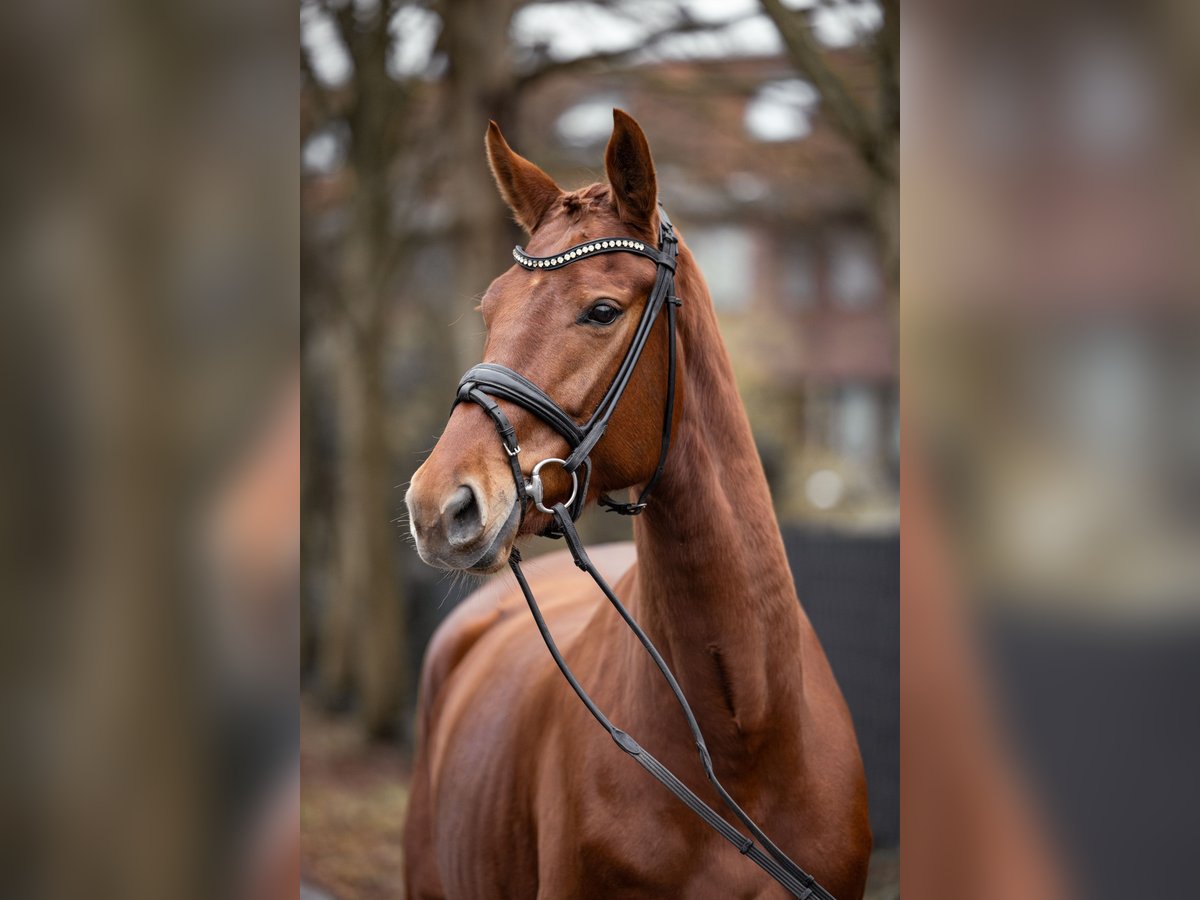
column 487, row 381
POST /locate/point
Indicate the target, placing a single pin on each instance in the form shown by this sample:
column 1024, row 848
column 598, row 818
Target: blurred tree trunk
column 483, row 86
column 363, row 651
column 371, row 623
column 363, row 641
column 887, row 185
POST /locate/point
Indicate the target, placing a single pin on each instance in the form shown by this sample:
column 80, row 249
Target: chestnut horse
column 516, row 792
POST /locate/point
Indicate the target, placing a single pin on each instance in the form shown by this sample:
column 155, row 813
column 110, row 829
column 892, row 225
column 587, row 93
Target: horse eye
column 602, row 314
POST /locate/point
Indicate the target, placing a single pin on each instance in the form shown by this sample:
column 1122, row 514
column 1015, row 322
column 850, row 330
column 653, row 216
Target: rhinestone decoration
column 550, row 262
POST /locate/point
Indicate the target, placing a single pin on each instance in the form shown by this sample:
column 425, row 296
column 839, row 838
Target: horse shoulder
column 455, row 681
column 551, row 578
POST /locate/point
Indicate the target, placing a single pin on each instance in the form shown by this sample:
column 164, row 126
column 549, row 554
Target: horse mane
column 594, row 196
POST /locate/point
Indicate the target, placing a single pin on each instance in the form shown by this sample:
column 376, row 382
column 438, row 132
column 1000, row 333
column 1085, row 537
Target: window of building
column 858, row 423
column 854, row 276
column 725, row 254
column 798, row 275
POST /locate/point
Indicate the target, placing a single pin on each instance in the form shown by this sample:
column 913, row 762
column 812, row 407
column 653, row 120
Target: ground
column 352, row 799
column 352, row 814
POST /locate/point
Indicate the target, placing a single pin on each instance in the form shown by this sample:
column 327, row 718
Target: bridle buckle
column 535, row 489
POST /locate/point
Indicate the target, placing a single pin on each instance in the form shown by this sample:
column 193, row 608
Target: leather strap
column 508, row 437
column 759, row 849
column 663, row 285
column 502, row 381
column 635, row 508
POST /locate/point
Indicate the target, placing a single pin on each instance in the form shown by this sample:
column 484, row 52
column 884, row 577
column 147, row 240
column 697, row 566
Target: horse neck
column 713, row 583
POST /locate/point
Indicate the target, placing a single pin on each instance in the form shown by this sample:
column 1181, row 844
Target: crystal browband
column 591, row 248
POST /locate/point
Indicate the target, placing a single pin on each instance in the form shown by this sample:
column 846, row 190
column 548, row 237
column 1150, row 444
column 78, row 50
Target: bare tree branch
column 845, row 112
column 888, row 51
column 685, row 24
column 322, row 102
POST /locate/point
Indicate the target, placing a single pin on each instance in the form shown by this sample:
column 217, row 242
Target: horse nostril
column 462, row 517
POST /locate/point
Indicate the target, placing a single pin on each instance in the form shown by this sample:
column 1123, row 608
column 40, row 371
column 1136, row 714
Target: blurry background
column 774, row 130
column 1051, row 646
column 149, row 450
column 149, row 579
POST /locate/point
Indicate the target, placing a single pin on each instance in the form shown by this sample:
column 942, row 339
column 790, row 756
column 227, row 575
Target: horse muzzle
column 463, row 530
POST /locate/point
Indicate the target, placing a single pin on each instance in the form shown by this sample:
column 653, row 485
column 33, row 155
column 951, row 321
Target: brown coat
column 517, row 792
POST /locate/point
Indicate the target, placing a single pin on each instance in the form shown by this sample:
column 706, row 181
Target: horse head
column 566, row 330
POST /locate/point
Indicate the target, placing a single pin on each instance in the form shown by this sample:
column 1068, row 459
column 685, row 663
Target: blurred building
column 778, row 215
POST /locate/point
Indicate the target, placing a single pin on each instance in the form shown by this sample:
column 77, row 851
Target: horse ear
column 528, row 191
column 631, row 171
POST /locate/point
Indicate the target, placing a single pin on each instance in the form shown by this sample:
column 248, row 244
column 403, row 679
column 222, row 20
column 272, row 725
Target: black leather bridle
column 488, row 381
